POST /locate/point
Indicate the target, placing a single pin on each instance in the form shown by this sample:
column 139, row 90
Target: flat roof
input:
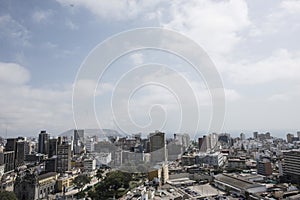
column 235, row 182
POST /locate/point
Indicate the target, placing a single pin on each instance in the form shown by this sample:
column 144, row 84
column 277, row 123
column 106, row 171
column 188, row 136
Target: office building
column 43, row 143
column 255, row 135
column 17, row 145
column 63, row 156
column 291, row 166
column 78, row 142
column 264, row 167
column 243, row 136
column 52, row 147
column 158, row 148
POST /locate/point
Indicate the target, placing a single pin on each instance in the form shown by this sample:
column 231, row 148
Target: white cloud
column 41, row 15
column 137, row 58
column 71, row 25
column 116, row 10
column 12, row 73
column 292, row 6
column 13, row 31
column 281, row 65
column 26, row 109
column 213, row 24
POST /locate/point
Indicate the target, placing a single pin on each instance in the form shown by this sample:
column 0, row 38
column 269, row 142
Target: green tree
column 81, row 180
column 99, row 174
column 5, row 195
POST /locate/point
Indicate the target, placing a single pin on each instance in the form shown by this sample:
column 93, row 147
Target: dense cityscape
column 103, row 164
column 149, row 100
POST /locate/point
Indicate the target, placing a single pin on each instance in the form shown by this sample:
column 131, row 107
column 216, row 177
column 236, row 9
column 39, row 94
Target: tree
column 99, row 174
column 81, row 180
column 5, row 195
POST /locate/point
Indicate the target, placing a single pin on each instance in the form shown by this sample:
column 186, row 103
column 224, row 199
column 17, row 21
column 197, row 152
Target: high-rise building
column 63, row 156
column 255, row 135
column 158, row 148
column 52, row 147
column 291, row 166
column 290, row 137
column 20, row 153
column 298, row 134
column 78, row 143
column 243, row 136
column 264, row 167
column 51, row 164
column 8, row 160
column 17, row 145
column 43, row 145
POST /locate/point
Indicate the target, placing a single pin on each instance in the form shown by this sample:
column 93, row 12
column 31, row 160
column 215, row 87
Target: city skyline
column 252, row 44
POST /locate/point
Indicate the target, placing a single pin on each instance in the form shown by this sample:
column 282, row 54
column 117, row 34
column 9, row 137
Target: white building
column 216, row 159
column 89, row 164
column 103, row 158
column 90, row 145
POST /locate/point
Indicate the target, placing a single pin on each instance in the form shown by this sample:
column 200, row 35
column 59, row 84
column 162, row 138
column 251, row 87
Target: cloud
column 292, row 6
column 13, row 31
column 71, row 25
column 25, row 109
column 41, row 15
column 114, row 10
column 215, row 25
column 282, row 65
column 12, row 73
column 137, row 58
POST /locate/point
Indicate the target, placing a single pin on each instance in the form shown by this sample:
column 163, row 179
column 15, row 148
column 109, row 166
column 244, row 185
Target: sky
column 253, row 44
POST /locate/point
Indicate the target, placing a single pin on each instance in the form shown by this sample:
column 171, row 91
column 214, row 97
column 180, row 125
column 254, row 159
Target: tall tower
column 43, row 146
column 158, row 148
column 17, row 145
column 78, row 141
column 63, row 156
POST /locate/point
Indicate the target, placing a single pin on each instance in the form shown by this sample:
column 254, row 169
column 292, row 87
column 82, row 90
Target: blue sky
column 254, row 45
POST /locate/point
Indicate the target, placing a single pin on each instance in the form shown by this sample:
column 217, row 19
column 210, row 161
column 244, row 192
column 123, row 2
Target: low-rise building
column 31, row 186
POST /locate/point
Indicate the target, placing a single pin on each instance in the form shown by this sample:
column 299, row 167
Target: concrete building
column 78, row 143
column 52, row 147
column 63, row 156
column 243, row 136
column 255, row 135
column 237, row 163
column 210, row 159
column 290, row 137
column 237, row 185
column 43, row 143
column 90, row 144
column 159, row 174
column 17, row 145
column 103, row 159
column 8, row 160
column 51, row 164
column 89, row 164
column 158, row 148
column 264, row 167
column 291, row 166
column 30, row 186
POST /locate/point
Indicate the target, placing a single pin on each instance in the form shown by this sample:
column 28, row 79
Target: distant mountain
column 101, row 133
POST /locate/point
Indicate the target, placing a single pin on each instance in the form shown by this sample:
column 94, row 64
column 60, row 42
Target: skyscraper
column 43, row 145
column 63, row 156
column 78, row 142
column 17, row 145
column 158, row 148
column 52, row 147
